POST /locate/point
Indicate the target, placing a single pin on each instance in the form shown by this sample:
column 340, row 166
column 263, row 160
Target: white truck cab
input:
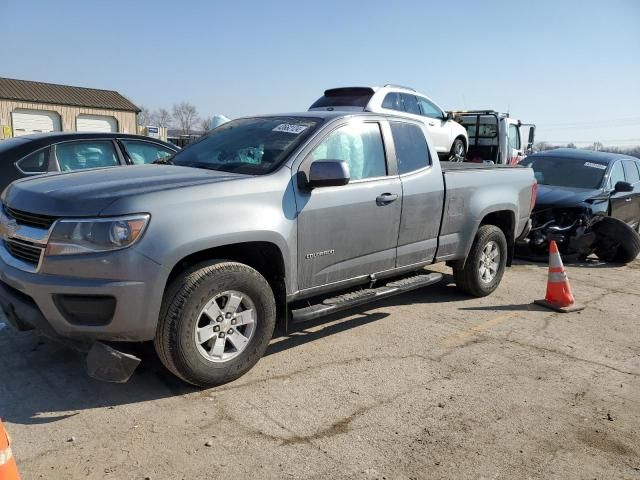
column 495, row 137
column 448, row 136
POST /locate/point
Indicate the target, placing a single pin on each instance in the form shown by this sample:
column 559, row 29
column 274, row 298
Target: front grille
column 30, row 219
column 24, row 251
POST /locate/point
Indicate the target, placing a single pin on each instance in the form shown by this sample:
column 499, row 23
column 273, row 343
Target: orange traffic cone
column 8, row 468
column 559, row 296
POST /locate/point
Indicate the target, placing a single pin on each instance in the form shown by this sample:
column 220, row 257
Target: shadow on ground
column 43, row 382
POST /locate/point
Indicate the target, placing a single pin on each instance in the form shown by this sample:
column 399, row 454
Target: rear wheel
column 485, row 264
column 616, row 241
column 458, row 151
column 216, row 323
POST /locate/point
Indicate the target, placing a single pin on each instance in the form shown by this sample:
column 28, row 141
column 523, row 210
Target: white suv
column 449, row 137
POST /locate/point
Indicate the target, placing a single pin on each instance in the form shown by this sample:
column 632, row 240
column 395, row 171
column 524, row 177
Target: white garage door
column 96, row 123
column 34, row 121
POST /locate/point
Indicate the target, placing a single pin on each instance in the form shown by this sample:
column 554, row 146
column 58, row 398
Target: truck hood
column 550, row 196
column 86, row 193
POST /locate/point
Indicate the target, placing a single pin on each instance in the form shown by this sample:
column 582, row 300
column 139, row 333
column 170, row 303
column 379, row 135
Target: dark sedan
column 64, row 152
column 589, row 202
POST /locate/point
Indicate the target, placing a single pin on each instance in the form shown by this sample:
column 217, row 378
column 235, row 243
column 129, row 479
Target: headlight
column 70, row 237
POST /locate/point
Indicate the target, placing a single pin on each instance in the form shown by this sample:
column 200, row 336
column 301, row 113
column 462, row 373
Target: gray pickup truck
column 279, row 217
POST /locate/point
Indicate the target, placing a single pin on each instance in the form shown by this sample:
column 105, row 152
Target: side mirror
column 449, row 116
column 623, row 187
column 328, row 173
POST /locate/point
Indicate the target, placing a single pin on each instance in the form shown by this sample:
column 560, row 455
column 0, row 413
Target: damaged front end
column 570, row 227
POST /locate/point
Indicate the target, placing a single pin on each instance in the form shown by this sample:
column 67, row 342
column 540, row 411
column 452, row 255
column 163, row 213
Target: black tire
column 458, row 151
column 180, row 315
column 469, row 279
column 616, row 241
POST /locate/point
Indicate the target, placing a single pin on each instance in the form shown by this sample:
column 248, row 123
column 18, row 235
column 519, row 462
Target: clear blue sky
column 572, row 67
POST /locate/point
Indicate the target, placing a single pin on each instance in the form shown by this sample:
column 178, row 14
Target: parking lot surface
column 429, row 384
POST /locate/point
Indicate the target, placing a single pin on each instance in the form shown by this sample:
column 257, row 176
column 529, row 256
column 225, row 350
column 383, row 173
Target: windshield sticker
column 595, row 165
column 288, row 128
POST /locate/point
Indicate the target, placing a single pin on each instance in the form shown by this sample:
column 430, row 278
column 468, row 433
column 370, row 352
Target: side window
column 410, row 103
column 616, row 175
column 428, row 109
column 86, row 154
column 144, row 152
column 393, row 101
column 37, row 162
column 514, row 136
column 412, row 151
column 360, row 145
column 631, row 171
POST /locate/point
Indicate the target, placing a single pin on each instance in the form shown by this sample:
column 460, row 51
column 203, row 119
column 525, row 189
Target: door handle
column 432, row 123
column 386, row 198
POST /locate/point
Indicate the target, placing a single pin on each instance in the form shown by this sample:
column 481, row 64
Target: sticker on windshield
column 288, row 128
column 595, row 165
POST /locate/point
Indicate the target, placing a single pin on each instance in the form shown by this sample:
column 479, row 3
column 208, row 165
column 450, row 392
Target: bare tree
column 541, row 146
column 145, row 117
column 162, row 117
column 185, row 116
column 205, row 124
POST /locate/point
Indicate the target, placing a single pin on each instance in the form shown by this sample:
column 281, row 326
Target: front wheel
column 458, row 151
column 215, row 323
column 485, row 264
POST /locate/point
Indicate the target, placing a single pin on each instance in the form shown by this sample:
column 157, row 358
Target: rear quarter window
column 37, row 162
column 412, row 151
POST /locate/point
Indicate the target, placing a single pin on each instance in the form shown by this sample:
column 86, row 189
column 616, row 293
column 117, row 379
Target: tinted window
column 145, row 152
column 428, row 109
column 616, row 175
column 566, row 172
column 360, row 145
column 412, row 151
column 410, row 104
column 631, row 171
column 514, row 136
column 37, row 162
column 253, row 146
column 393, row 101
column 86, row 154
column 344, row 97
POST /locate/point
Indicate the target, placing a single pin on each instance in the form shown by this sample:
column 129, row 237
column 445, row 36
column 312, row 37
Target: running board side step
column 360, row 297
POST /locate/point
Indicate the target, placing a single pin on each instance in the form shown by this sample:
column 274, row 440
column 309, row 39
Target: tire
column 196, row 301
column 471, row 279
column 458, row 151
column 616, row 241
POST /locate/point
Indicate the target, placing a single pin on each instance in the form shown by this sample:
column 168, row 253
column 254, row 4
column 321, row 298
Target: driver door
column 351, row 231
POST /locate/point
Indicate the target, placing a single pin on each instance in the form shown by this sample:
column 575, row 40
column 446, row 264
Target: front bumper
column 29, row 298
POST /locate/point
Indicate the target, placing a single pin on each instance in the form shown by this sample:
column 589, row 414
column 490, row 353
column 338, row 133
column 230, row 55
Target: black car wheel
column 616, row 241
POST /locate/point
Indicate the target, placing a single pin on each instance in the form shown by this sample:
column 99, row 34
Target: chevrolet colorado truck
column 279, row 217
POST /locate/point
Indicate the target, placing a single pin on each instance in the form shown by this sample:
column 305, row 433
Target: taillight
column 534, row 194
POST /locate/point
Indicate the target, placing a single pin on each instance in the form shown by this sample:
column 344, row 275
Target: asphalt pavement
column 430, row 384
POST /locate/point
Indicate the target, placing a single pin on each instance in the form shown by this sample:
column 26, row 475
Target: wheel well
column 505, row 221
column 265, row 257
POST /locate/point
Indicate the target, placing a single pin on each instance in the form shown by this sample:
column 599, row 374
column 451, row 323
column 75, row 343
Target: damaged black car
column 588, row 202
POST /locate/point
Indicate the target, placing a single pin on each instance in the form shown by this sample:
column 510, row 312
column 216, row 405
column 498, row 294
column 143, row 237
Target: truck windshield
column 566, row 172
column 252, row 146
